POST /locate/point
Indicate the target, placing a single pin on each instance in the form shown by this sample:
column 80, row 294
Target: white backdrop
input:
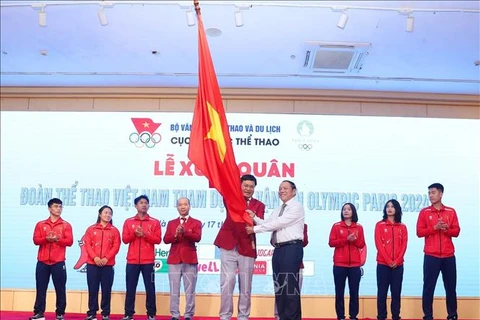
column 88, row 159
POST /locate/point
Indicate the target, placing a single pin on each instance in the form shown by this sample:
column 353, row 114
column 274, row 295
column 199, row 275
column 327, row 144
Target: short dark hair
column 354, row 212
column 100, row 212
column 54, row 200
column 436, row 185
column 248, row 177
column 398, row 210
column 188, row 200
column 294, row 187
column 140, row 198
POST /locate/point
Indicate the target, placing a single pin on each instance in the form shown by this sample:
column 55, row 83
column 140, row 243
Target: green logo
column 160, row 266
column 160, row 253
column 305, row 128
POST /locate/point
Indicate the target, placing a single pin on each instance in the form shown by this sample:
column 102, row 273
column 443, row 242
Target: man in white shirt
column 286, row 224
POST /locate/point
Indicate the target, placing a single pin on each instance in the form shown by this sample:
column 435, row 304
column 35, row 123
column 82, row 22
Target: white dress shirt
column 289, row 226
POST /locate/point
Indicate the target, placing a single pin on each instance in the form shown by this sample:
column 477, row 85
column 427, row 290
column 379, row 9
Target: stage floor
column 22, row 315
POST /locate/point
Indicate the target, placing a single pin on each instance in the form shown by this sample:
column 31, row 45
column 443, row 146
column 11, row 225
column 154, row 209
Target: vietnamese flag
column 210, row 148
column 145, row 124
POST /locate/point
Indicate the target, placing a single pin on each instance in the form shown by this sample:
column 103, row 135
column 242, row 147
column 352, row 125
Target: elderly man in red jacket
column 183, row 233
column 238, row 253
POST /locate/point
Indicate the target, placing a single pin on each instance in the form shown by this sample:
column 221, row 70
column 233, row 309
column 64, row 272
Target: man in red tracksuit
column 238, row 251
column 438, row 224
column 53, row 236
column 183, row 233
column 141, row 233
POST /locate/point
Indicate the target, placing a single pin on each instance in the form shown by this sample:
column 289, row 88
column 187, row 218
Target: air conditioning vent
column 335, row 57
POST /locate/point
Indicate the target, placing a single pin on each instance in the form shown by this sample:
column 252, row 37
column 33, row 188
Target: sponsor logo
column 263, row 252
column 209, row 266
column 160, row 266
column 260, row 267
column 161, row 252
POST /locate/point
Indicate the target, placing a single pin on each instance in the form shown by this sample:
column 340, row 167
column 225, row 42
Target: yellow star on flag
column 146, row 124
column 216, row 132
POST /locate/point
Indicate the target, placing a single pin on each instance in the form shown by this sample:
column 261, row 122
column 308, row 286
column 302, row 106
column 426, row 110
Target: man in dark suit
column 238, row 252
column 183, row 232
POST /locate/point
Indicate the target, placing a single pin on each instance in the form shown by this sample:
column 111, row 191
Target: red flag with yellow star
column 210, row 148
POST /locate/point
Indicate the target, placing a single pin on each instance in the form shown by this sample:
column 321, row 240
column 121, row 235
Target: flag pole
column 196, row 3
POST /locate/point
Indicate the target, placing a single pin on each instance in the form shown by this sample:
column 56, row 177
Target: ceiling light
column 102, row 16
column 42, row 17
column 214, row 32
column 190, row 18
column 410, row 22
column 238, row 18
column 342, row 22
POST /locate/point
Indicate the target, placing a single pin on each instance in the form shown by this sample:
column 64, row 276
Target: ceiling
column 268, row 51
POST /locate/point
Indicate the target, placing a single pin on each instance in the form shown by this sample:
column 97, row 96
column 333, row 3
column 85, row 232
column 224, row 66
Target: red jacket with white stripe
column 438, row 243
column 391, row 242
column 141, row 250
column 102, row 242
column 52, row 252
column 347, row 253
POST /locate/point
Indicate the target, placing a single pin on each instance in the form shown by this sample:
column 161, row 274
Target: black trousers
column 393, row 278
column 286, row 262
column 432, row 267
column 132, row 274
column 340, row 275
column 42, row 278
column 96, row 277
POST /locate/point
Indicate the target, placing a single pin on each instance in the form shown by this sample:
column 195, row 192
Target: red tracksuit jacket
column 102, row 242
column 183, row 248
column 391, row 242
column 52, row 252
column 347, row 253
column 438, row 243
column 141, row 250
column 233, row 234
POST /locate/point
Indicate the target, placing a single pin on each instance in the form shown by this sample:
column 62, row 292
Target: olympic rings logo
column 305, row 146
column 145, row 139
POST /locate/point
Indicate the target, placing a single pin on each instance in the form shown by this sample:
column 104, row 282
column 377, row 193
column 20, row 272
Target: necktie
column 274, row 233
column 183, row 220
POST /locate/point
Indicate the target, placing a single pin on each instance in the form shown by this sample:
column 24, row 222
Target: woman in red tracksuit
column 348, row 240
column 102, row 242
column 391, row 241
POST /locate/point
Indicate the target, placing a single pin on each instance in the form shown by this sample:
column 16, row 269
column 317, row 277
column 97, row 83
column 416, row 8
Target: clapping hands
column 52, row 237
